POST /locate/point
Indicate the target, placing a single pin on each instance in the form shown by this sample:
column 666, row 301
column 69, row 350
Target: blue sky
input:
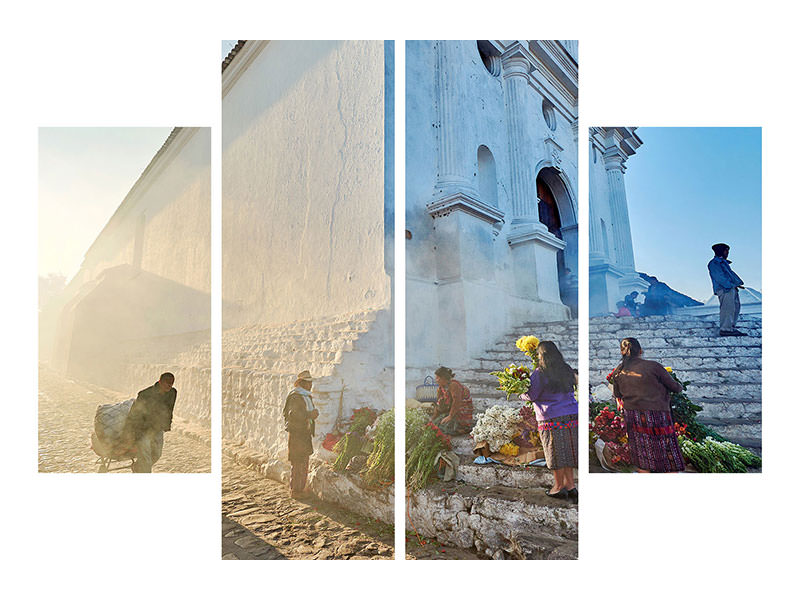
column 84, row 174
column 691, row 187
column 227, row 46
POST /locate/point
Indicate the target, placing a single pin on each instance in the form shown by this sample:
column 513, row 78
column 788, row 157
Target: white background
column 157, row 64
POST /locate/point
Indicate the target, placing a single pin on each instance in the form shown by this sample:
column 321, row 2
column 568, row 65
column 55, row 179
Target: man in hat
column 299, row 414
column 726, row 285
column 150, row 416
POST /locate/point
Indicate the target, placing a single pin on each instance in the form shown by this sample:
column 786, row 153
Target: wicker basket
column 427, row 392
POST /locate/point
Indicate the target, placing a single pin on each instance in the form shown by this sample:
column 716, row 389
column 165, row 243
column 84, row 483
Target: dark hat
column 720, row 248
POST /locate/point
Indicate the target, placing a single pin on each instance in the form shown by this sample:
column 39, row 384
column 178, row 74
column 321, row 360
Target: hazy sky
column 84, row 174
column 689, row 188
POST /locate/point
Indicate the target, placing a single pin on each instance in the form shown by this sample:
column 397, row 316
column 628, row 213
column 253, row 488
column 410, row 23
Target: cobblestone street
column 261, row 521
column 66, row 422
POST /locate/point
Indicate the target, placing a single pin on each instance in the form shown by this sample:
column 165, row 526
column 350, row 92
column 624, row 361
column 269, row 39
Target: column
column 614, row 162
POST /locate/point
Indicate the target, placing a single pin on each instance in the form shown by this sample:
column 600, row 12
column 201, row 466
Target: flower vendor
column 553, row 397
column 299, row 415
column 453, row 409
column 642, row 389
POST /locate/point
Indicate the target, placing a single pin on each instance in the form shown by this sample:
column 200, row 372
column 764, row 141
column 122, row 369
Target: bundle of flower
column 528, row 345
column 331, row 440
column 361, row 419
column 352, row 442
column 421, row 458
column 713, row 456
column 416, row 419
column 684, row 412
column 380, row 462
column 497, row 426
column 346, row 448
column 609, row 426
column 513, row 379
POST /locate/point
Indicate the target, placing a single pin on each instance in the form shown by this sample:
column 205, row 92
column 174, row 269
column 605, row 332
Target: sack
column 427, row 392
column 109, row 421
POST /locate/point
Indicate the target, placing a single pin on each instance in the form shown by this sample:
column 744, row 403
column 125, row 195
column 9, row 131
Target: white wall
column 302, row 177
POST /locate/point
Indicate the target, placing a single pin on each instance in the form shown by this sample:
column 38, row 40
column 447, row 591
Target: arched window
column 487, row 176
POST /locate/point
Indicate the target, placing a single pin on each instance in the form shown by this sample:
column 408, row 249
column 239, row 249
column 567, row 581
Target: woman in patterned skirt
column 642, row 389
column 553, row 397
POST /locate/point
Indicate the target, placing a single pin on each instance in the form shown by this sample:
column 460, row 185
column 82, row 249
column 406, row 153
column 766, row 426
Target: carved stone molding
column 466, row 203
column 554, row 150
column 537, row 234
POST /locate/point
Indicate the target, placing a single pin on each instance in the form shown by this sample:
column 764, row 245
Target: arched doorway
column 553, row 197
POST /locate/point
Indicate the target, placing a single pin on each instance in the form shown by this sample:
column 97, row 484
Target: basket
column 427, row 392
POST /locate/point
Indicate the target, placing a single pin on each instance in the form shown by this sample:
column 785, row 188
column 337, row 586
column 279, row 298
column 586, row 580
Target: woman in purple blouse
column 553, row 398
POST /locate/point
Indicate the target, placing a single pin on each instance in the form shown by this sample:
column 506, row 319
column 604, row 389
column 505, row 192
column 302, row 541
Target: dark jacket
column 645, row 385
column 152, row 410
column 723, row 278
column 300, row 426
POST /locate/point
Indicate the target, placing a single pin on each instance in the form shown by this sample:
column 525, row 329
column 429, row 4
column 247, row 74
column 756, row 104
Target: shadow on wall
column 99, row 325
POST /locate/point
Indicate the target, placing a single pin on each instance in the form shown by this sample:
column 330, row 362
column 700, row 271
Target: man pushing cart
column 134, row 429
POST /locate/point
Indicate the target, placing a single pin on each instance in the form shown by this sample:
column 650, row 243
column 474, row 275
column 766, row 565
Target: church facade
column 612, row 268
column 491, row 193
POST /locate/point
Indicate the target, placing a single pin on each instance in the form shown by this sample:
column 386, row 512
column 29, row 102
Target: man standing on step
column 299, row 415
column 726, row 285
column 150, row 416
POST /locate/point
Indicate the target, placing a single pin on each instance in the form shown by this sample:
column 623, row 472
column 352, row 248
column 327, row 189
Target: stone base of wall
column 500, row 522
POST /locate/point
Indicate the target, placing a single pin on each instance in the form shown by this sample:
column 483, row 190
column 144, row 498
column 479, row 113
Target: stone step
column 745, row 432
column 665, row 355
column 644, row 321
column 707, row 376
column 481, row 404
column 495, row 519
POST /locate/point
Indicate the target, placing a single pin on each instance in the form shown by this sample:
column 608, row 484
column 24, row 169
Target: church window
column 490, row 57
column 487, row 176
column 549, row 112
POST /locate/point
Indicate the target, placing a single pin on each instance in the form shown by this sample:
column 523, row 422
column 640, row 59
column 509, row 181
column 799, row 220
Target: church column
column 534, row 249
column 454, row 163
column 615, row 167
column 465, row 225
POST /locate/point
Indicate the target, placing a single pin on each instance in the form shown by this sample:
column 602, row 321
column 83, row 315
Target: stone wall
column 188, row 357
column 346, row 354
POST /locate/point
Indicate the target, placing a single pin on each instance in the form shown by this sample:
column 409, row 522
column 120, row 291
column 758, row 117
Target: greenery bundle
column 421, row 460
column 380, row 462
column 713, row 456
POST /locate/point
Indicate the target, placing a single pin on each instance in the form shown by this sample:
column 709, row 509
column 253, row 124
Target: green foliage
column 684, row 411
column 346, row 448
column 380, row 462
column 416, row 419
column 714, row 456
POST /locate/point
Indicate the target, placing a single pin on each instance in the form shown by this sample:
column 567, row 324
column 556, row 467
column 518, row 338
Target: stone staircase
column 483, row 386
column 346, row 354
column 724, row 372
column 500, row 511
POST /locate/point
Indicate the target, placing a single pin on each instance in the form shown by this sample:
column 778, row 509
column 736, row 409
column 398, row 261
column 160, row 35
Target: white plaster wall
column 176, row 201
column 492, row 304
column 302, row 179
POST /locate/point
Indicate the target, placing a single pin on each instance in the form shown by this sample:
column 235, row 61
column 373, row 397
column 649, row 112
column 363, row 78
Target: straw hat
column 305, row 376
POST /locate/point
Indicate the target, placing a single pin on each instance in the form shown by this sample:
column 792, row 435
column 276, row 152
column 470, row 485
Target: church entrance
column 550, row 217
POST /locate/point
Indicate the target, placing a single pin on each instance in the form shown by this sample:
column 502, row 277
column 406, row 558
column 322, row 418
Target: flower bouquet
column 497, row 427
column 513, row 379
column 516, row 379
column 610, row 439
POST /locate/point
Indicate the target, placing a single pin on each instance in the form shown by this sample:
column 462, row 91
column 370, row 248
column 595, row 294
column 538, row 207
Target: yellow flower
column 668, row 369
column 509, row 449
column 528, row 343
